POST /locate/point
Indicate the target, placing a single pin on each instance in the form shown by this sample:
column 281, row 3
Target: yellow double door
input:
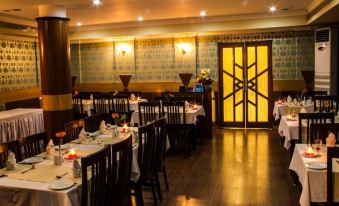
column 245, row 84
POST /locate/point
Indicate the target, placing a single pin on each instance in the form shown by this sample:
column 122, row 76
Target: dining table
column 20, row 122
column 88, row 106
column 191, row 114
column 34, row 186
column 285, row 108
column 312, row 174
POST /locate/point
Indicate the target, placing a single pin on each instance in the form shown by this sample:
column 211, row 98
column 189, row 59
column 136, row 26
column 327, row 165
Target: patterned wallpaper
column 18, row 64
column 151, row 60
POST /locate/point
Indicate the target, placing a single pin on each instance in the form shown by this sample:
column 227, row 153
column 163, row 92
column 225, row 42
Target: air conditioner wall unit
column 326, row 60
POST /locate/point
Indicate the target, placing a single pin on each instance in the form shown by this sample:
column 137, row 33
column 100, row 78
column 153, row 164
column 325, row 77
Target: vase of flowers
column 58, row 159
column 205, row 79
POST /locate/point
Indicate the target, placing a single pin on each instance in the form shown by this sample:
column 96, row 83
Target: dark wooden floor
column 236, row 167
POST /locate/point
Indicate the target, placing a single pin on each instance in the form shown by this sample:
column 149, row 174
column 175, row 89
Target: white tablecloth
column 286, row 108
column 19, row 123
column 313, row 181
column 88, row 105
column 191, row 115
column 23, row 192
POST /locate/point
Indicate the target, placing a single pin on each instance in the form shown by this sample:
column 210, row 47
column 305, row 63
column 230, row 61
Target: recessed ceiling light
column 140, row 18
column 97, row 2
column 79, row 23
column 273, row 9
column 203, row 13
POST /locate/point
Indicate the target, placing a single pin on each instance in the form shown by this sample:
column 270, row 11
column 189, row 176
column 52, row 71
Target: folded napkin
column 50, row 150
column 289, row 99
column 303, row 110
column 91, row 97
column 187, row 104
column 76, row 169
column 133, row 97
column 330, row 140
column 102, row 127
column 82, row 135
column 11, row 161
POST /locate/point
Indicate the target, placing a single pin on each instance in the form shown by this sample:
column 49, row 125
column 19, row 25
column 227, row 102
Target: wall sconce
column 123, row 48
column 184, row 48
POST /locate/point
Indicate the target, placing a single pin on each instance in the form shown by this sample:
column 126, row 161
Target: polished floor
column 236, row 167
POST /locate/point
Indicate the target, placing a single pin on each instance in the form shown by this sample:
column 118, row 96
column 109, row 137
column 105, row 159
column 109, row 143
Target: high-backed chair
column 305, row 120
column 148, row 111
column 6, row 148
column 100, row 103
column 120, row 104
column 72, row 130
column 326, row 104
column 146, row 162
column 160, row 152
column 119, row 173
column 78, row 108
column 332, row 152
column 33, row 145
column 94, row 189
column 92, row 123
column 321, row 131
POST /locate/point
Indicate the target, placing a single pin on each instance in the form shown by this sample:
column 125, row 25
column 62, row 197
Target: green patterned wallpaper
column 18, row 64
column 151, row 60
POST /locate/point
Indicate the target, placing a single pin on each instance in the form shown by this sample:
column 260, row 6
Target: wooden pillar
column 56, row 84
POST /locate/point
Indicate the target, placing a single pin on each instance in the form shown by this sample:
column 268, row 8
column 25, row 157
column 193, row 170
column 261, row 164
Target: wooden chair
column 313, row 94
column 326, row 104
column 120, row 104
column 92, row 123
column 33, row 145
column 307, row 118
column 178, row 130
column 78, row 109
column 321, row 131
column 94, row 189
column 160, row 152
column 148, row 111
column 100, row 103
column 6, row 148
column 146, row 162
column 332, row 152
column 119, row 173
column 72, row 130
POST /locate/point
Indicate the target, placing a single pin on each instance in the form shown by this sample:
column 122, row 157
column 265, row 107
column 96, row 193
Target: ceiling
column 124, row 11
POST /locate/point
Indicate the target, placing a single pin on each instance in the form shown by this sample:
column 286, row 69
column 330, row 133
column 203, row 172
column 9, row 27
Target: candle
column 195, row 106
column 124, row 128
column 72, row 154
column 309, row 151
column 289, row 117
column 279, row 101
column 138, row 98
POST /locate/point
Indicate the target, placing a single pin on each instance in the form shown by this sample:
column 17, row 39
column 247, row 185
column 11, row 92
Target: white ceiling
column 120, row 11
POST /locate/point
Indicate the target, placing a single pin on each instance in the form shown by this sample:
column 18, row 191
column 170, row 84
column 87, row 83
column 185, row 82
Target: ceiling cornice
column 321, row 10
column 314, row 4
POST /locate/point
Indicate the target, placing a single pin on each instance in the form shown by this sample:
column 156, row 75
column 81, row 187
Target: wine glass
column 317, row 145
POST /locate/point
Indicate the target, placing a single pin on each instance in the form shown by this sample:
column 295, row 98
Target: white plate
column 62, row 147
column 33, row 160
column 61, row 184
column 316, row 165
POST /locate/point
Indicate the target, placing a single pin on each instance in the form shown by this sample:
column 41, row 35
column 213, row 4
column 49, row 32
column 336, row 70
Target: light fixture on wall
column 123, row 48
column 184, row 48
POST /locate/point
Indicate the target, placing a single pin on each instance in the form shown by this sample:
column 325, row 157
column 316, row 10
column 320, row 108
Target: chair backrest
column 33, row 145
column 161, row 138
column 305, row 119
column 92, row 123
column 77, row 104
column 100, row 103
column 6, row 148
column 146, row 151
column 119, row 104
column 332, row 152
column 175, row 111
column 119, row 172
column 72, row 130
column 326, row 104
column 321, row 131
column 314, row 94
column 94, row 188
column 148, row 111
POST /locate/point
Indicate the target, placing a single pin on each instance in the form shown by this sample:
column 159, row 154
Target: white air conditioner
column 326, row 60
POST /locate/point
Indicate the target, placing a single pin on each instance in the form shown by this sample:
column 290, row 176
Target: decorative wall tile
column 75, row 60
column 18, row 64
column 155, row 60
column 125, row 61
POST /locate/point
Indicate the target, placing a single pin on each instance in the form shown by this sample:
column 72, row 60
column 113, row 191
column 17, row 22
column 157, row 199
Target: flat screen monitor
column 198, row 88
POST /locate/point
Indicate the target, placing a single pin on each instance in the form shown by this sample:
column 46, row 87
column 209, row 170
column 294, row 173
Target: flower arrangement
column 117, row 118
column 60, row 135
column 205, row 77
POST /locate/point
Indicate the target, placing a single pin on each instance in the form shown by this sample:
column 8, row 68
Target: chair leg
column 158, row 185
column 165, row 177
column 153, row 192
column 139, row 198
